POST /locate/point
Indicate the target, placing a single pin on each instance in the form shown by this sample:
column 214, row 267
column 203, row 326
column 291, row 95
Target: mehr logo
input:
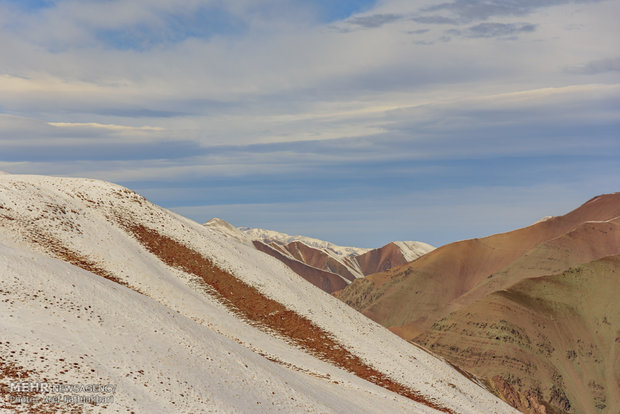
column 45, row 387
column 21, row 393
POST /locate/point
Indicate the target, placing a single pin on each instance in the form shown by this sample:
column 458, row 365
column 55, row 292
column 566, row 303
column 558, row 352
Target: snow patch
column 412, row 250
column 543, row 219
column 269, row 236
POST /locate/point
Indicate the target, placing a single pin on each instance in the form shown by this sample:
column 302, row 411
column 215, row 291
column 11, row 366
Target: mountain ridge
column 469, row 262
column 431, row 301
column 210, row 312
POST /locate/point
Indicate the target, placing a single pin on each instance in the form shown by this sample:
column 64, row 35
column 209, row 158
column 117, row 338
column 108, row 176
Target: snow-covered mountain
column 270, row 236
column 324, row 264
column 100, row 286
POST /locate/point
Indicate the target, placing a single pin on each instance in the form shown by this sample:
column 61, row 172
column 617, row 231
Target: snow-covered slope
column 411, row 250
column 99, row 286
column 73, row 327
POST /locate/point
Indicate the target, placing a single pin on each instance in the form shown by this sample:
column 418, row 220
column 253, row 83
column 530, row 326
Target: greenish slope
column 546, row 342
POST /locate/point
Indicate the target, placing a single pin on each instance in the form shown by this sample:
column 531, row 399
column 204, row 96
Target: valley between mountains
column 100, row 286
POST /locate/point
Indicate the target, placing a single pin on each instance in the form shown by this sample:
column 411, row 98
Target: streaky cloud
column 599, row 66
column 472, row 10
column 489, row 30
column 434, row 20
column 375, row 20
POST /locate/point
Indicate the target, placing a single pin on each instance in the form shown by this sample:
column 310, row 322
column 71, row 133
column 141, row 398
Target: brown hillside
column 545, row 344
column 586, row 242
column 410, row 298
column 379, row 260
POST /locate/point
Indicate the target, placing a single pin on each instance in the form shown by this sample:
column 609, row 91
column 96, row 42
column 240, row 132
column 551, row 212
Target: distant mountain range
column 325, row 265
column 533, row 312
column 100, row 286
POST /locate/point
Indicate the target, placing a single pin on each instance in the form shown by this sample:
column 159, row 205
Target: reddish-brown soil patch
column 57, row 249
column 261, row 311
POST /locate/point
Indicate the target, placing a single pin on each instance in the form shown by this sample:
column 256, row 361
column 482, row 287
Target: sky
column 357, row 121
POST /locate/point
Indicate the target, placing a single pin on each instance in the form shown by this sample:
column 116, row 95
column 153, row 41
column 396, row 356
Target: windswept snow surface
column 174, row 347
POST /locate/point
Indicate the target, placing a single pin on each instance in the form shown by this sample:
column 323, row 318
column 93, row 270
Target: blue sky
column 358, row 122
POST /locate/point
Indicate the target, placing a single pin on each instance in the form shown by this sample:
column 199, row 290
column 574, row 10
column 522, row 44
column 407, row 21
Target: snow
column 611, row 220
column 413, row 249
column 175, row 332
column 159, row 360
column 268, row 236
column 545, row 218
column 228, row 230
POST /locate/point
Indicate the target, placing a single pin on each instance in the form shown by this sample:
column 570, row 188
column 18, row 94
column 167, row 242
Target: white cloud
column 112, row 127
column 396, row 90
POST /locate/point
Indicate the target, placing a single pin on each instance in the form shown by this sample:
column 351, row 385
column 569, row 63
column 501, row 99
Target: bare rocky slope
column 325, row 265
column 546, row 352
column 100, row 286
